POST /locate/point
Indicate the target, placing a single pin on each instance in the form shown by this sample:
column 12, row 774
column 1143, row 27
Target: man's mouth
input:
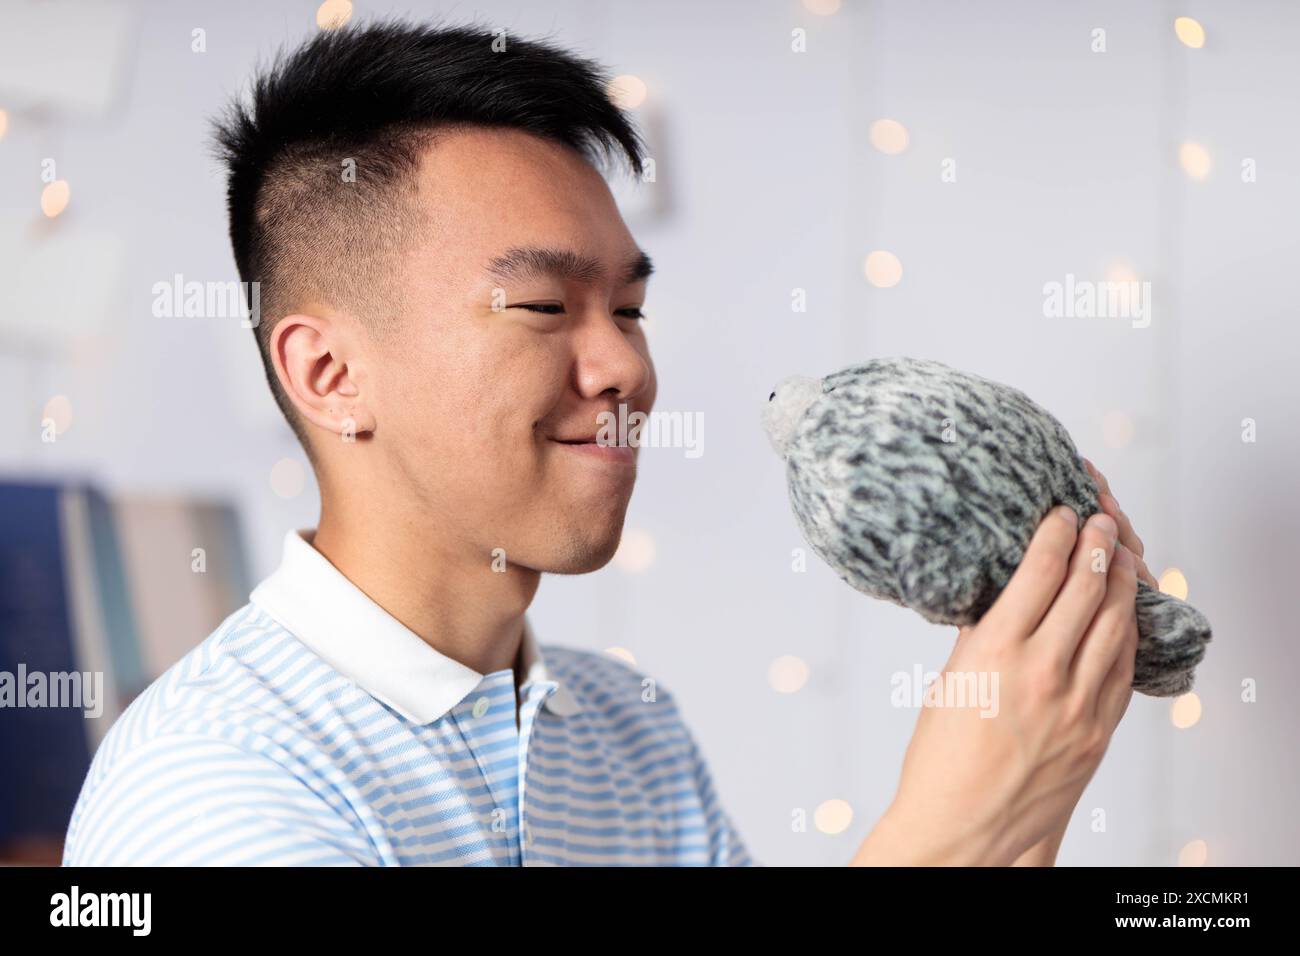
column 591, row 448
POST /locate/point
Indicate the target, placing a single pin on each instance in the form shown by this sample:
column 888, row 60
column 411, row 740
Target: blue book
column 44, row 750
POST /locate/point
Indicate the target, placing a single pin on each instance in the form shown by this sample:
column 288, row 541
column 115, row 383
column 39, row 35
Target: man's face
column 519, row 329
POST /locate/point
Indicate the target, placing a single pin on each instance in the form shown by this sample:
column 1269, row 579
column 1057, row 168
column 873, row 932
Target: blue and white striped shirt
column 312, row 728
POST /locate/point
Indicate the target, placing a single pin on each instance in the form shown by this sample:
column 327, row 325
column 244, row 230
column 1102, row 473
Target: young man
column 449, row 302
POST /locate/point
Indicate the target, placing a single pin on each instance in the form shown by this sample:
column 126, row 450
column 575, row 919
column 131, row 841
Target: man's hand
column 1127, row 536
column 1043, row 853
column 1061, row 640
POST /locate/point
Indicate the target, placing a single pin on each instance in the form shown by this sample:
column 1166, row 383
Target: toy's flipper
column 1171, row 641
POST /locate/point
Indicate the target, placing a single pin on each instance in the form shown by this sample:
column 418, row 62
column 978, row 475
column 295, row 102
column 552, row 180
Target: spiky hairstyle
column 321, row 154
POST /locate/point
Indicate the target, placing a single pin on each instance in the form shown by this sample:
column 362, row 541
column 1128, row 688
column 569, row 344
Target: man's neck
column 452, row 600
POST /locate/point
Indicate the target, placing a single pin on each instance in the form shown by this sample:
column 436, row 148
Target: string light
column 1190, row 32
column 1185, row 711
column 832, row 817
column 822, row 8
column 627, row 91
column 636, row 551
column 787, row 674
column 1195, row 160
column 58, row 411
column 54, row 197
column 883, row 269
column 1174, row 582
column 1121, row 272
column 332, row 14
column 288, row 478
column 889, row 136
column 623, row 654
column 4, row 123
column 1194, row 853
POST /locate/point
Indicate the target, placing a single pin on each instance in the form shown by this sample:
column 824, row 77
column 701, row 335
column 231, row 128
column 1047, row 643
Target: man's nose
column 607, row 360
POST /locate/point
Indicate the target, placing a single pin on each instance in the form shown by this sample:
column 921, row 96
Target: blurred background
column 833, row 181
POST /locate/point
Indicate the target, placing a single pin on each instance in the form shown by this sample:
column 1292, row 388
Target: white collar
column 313, row 600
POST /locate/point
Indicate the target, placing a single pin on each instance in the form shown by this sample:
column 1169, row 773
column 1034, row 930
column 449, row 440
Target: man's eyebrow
column 530, row 262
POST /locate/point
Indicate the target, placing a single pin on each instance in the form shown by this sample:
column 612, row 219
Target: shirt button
column 481, row 706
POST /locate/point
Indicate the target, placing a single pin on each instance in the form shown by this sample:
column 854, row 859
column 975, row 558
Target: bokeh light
column 1190, row 32
column 889, row 136
column 787, row 674
column 55, row 197
column 883, row 269
column 1185, row 711
column 833, row 816
column 627, row 91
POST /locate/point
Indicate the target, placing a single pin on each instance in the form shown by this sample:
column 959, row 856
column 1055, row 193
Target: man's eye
column 545, row 308
column 632, row 313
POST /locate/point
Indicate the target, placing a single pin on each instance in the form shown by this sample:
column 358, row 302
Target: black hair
column 376, row 95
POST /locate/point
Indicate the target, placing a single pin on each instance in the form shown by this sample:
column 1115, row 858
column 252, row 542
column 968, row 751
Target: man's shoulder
column 213, row 721
column 211, row 696
column 210, row 682
column 610, row 685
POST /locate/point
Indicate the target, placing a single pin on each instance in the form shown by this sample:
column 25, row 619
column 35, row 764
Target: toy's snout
column 785, row 408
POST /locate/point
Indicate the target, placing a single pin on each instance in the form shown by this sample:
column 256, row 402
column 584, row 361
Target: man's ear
column 319, row 370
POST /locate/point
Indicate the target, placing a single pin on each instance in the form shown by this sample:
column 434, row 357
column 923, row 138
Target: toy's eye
column 771, row 397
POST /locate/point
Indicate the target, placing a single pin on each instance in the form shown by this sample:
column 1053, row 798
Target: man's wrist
column 904, row 838
column 1043, row 853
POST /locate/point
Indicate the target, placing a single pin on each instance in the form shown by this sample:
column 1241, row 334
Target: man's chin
column 584, row 557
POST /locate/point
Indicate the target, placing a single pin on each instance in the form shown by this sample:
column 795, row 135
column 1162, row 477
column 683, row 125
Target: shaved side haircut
column 322, row 152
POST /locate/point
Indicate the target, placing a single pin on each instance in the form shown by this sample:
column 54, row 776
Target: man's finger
column 1097, row 476
column 1117, row 690
column 1109, row 632
column 1073, row 611
column 1127, row 536
column 1030, row 592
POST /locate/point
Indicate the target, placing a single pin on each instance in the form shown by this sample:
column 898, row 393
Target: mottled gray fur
column 922, row 485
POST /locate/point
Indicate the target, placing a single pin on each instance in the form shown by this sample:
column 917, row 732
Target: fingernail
column 1104, row 523
column 1066, row 513
column 1124, row 557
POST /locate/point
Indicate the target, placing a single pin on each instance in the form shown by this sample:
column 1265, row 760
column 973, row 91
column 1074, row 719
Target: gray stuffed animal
column 922, row 485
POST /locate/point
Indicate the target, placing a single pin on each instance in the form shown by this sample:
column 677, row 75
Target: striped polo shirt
column 312, row 728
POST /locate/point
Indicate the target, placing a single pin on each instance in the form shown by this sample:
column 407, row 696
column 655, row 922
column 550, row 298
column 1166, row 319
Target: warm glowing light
column 332, row 14
column 1194, row 854
column 636, row 551
column 1185, row 711
column 883, row 269
column 1117, row 429
column 58, row 410
column 1190, row 32
column 623, row 654
column 1174, row 582
column 889, row 136
column 833, row 816
column 288, row 478
column 1121, row 272
column 4, row 123
column 627, row 91
column 1195, row 160
column 55, row 196
column 787, row 674
column 822, row 8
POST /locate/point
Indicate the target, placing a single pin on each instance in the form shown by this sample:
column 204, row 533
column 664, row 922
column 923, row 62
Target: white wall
column 1066, row 163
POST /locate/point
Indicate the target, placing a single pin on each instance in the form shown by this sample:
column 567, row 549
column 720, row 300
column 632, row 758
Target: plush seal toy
column 922, row 485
